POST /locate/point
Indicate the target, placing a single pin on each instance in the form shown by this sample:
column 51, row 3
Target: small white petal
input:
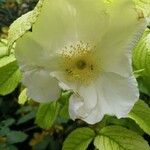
column 117, row 94
column 114, row 94
column 91, row 116
column 89, row 95
column 29, row 52
column 81, row 103
column 95, row 115
column 41, row 86
column 75, row 103
column 65, row 85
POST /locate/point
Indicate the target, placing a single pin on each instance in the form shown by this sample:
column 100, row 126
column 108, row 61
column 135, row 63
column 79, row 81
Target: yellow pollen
column 80, row 63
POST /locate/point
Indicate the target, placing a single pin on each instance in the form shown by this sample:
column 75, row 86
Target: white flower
column 83, row 46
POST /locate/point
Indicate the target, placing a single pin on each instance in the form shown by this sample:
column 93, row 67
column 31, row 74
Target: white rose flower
column 83, row 46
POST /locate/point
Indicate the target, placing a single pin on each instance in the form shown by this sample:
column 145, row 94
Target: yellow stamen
column 80, row 63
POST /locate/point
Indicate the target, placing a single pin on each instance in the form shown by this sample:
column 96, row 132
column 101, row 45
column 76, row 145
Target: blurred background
column 11, row 10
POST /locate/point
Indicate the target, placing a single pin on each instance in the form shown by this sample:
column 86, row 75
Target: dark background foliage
column 10, row 10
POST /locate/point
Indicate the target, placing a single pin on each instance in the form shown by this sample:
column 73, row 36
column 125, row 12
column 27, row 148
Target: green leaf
column 141, row 54
column 9, row 85
column 64, row 112
column 125, row 122
column 3, row 48
column 23, row 97
column 42, row 145
column 119, row 138
column 4, row 131
column 5, row 146
column 11, row 147
column 64, row 101
column 144, row 84
column 8, row 122
column 65, row 97
column 23, row 24
column 27, row 117
column 141, row 61
column 24, row 109
column 10, row 75
column 141, row 114
column 47, row 114
column 16, row 137
column 79, row 139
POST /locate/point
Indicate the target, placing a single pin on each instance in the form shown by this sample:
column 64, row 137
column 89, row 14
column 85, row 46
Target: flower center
column 80, row 63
